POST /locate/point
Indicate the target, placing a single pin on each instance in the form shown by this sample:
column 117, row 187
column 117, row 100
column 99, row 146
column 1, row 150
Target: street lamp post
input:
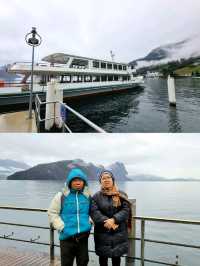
column 33, row 39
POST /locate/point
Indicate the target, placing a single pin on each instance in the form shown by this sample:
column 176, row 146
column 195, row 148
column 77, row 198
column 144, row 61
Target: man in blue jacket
column 69, row 214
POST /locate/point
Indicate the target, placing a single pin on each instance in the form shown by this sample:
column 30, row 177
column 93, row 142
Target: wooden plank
column 15, row 257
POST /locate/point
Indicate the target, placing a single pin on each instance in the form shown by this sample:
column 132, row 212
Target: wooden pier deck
column 17, row 122
column 15, row 257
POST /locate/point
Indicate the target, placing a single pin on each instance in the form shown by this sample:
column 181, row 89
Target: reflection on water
column 174, row 123
column 145, row 110
column 106, row 111
column 179, row 200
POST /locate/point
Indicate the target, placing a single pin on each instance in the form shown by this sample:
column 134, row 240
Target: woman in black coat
column 110, row 211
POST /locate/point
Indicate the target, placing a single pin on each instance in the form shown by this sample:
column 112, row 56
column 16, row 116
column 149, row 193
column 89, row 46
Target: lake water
column 145, row 110
column 158, row 199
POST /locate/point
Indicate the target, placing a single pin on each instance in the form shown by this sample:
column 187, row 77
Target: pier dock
column 15, row 257
column 17, row 122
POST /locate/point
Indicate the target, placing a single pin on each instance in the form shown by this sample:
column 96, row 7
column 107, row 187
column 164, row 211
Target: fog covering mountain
column 174, row 51
column 58, row 171
column 8, row 167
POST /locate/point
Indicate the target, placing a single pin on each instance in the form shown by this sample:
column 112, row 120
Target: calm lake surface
column 157, row 199
column 145, row 110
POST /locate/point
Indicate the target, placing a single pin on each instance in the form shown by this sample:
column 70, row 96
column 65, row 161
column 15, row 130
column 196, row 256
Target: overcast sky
column 92, row 28
column 166, row 155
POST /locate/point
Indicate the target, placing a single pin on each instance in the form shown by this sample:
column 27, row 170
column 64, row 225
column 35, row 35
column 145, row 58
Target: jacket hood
column 76, row 173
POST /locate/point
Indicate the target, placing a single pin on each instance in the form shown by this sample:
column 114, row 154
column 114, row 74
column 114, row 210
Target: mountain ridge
column 59, row 170
column 185, row 49
column 8, row 167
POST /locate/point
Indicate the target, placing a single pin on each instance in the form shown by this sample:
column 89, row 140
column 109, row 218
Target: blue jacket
column 75, row 207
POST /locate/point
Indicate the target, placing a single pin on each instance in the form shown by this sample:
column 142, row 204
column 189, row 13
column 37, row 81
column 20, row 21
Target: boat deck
column 17, row 122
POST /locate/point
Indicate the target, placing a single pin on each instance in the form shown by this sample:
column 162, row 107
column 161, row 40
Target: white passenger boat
column 76, row 76
column 79, row 72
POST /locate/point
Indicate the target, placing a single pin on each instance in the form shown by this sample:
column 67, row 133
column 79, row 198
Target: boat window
column 66, row 78
column 79, row 63
column 88, row 78
column 97, row 78
column 96, row 64
column 110, row 78
column 120, row 67
column 115, row 66
column 103, row 78
column 109, row 66
column 103, row 65
column 74, row 78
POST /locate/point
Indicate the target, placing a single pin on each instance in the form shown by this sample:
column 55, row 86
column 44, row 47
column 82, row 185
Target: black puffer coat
column 109, row 243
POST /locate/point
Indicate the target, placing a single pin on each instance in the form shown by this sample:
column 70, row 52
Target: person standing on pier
column 111, row 214
column 69, row 214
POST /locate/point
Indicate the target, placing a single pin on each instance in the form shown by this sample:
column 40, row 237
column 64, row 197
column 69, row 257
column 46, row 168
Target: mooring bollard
column 50, row 97
column 132, row 234
column 59, row 98
column 52, row 112
column 171, row 91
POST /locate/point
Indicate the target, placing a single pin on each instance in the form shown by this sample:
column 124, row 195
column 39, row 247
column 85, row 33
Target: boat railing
column 72, row 67
column 29, row 63
column 129, row 259
column 66, row 108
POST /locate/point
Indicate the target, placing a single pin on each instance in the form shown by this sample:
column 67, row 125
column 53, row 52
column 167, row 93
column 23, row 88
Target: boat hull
column 9, row 100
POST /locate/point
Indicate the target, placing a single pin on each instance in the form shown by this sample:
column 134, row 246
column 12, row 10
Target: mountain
column 8, row 167
column 118, row 169
column 153, row 178
column 188, row 48
column 58, row 171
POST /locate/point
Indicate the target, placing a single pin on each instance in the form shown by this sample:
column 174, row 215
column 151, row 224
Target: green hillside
column 189, row 70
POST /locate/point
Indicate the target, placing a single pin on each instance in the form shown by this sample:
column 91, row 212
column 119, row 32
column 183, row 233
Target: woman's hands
column 110, row 224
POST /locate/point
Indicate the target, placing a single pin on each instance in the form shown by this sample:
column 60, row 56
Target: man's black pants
column 72, row 248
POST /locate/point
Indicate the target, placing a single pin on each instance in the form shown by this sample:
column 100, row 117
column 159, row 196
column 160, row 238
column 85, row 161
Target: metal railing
column 39, row 120
column 143, row 240
column 130, row 260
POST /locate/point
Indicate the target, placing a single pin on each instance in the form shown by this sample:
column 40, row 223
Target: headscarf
column 117, row 196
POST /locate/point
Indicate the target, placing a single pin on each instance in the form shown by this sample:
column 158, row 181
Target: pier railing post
column 142, row 241
column 132, row 234
column 51, row 243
